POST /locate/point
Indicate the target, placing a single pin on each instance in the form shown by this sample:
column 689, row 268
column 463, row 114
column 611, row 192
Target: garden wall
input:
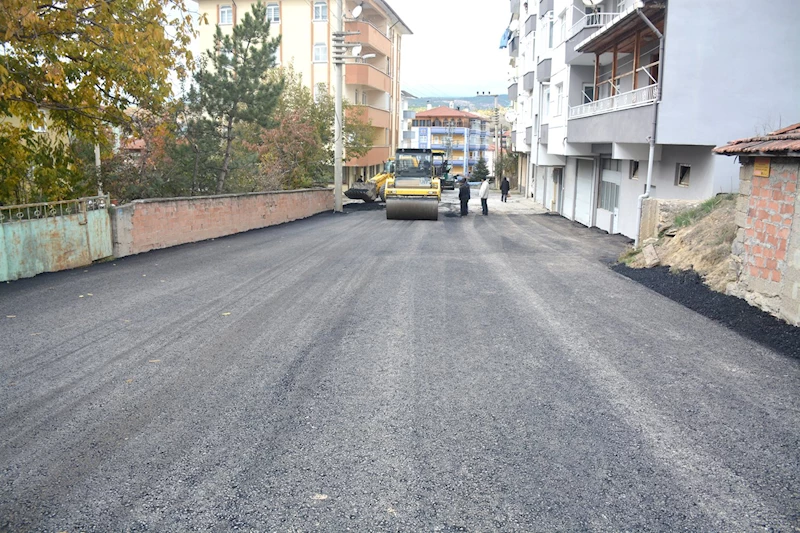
column 144, row 225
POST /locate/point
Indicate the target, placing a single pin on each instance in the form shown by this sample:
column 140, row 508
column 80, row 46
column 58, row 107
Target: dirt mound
column 702, row 245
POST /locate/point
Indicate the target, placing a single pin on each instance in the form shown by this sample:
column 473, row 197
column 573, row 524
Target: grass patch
column 629, row 256
column 690, row 216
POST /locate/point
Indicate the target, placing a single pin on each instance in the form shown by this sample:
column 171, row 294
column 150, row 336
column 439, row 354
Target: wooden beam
column 614, row 72
column 596, row 95
column 637, row 50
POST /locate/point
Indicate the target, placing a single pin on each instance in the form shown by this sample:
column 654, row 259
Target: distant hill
column 473, row 103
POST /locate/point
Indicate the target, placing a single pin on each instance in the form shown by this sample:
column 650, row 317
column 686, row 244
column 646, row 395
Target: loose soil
column 687, row 288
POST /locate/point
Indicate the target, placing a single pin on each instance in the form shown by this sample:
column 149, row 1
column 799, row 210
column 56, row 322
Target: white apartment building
column 605, row 81
column 372, row 81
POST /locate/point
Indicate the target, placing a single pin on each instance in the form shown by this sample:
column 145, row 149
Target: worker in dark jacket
column 463, row 195
column 504, row 187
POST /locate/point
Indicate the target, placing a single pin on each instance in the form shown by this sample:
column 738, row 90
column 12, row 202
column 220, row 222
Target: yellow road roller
column 414, row 192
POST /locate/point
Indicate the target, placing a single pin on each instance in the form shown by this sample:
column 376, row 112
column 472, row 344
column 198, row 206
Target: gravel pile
column 688, row 289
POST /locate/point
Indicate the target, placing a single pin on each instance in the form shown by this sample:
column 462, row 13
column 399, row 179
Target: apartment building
column 372, row 80
column 610, row 74
column 461, row 134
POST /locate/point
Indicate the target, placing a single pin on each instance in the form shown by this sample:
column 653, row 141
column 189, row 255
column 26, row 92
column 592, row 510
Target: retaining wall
column 144, row 225
column 659, row 214
column 766, row 250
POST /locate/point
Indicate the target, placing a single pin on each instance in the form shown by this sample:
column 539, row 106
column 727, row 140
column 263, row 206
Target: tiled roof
column 446, row 112
column 776, row 143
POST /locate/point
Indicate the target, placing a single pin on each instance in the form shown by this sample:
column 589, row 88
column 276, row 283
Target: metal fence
column 642, row 96
column 18, row 213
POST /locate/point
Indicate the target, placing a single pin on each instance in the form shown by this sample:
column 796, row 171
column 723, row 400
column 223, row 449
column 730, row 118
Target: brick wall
column 145, row 225
column 766, row 251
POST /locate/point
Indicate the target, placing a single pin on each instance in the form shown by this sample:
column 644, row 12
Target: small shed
column 766, row 251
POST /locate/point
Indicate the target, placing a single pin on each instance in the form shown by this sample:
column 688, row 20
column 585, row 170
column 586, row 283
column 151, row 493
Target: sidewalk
column 516, row 205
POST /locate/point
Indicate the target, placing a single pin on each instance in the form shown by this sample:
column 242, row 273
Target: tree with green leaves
column 74, row 68
column 480, row 171
column 231, row 86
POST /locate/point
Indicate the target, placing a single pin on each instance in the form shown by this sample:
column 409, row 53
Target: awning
column 622, row 30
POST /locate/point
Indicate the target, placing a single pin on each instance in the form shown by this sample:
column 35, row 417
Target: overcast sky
column 454, row 50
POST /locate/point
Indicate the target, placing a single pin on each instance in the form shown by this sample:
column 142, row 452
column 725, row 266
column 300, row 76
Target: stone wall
column 145, row 225
column 766, row 251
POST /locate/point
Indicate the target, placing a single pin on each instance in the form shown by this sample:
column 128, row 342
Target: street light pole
column 338, row 67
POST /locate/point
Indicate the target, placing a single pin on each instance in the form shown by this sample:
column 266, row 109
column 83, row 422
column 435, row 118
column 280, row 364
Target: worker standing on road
column 504, row 187
column 484, row 194
column 463, row 195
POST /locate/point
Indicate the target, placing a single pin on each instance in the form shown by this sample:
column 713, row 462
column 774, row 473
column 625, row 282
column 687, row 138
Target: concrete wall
column 729, row 70
column 659, row 215
column 30, row 247
column 625, row 126
column 145, row 225
column 766, row 250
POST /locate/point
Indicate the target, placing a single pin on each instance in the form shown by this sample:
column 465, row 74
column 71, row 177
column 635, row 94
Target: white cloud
column 454, row 50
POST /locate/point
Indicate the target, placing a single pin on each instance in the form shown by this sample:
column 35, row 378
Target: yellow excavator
column 414, row 192
column 373, row 188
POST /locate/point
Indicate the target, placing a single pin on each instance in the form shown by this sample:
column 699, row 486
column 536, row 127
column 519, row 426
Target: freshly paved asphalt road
column 352, row 373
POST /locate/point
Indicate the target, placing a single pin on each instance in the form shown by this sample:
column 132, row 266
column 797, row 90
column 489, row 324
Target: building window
column 559, row 97
column 610, row 164
column 277, row 56
column 225, row 15
column 320, row 53
column 320, row 11
column 682, row 175
column 634, row 170
column 609, row 196
column 273, row 13
column 562, row 27
column 318, row 91
column 364, row 98
column 550, row 31
column 546, row 103
column 621, row 5
column 588, row 93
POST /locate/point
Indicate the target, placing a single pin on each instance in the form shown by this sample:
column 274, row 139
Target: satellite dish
column 356, row 50
column 357, row 10
column 510, row 115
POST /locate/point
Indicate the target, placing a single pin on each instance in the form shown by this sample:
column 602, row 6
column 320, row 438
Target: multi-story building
column 372, row 80
column 463, row 135
column 610, row 74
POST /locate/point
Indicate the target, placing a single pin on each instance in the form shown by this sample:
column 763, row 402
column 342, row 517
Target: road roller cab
column 414, row 192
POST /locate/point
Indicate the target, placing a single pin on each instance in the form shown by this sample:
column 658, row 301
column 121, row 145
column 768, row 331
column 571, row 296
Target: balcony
column 513, row 46
column 409, row 115
column 530, row 24
column 591, row 21
column 376, row 156
column 544, row 133
column 543, row 69
column 369, row 37
column 639, row 97
column 366, row 74
column 409, row 135
column 512, row 92
column 528, row 135
column 529, row 81
column 545, row 6
column 378, row 117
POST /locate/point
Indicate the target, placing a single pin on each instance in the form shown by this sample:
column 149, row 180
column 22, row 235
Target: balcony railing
column 591, row 20
column 642, row 96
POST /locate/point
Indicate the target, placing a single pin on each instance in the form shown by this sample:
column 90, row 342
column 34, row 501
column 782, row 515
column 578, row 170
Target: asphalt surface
column 347, row 372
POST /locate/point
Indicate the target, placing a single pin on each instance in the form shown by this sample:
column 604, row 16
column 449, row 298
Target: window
column 546, row 103
column 682, row 175
column 356, row 98
column 634, row 170
column 277, row 55
column 273, row 13
column 609, row 196
column 320, row 53
column 319, row 91
column 588, row 93
column 610, row 164
column 364, row 98
column 550, row 32
column 225, row 15
column 320, row 11
column 562, row 27
column 621, row 5
column 559, row 97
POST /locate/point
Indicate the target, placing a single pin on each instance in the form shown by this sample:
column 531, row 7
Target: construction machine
column 414, row 192
column 373, row 188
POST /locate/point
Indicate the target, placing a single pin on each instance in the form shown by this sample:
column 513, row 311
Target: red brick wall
column 145, row 225
column 768, row 224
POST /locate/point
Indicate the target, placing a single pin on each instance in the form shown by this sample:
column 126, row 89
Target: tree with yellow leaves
column 74, row 67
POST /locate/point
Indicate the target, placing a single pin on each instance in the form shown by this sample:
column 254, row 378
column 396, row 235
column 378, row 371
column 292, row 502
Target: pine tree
column 480, row 171
column 235, row 88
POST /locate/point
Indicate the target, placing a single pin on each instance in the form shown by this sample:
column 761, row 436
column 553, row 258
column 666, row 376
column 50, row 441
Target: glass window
column 610, row 164
column 225, row 15
column 634, row 170
column 320, row 53
column 682, row 175
column 278, row 55
column 609, row 196
column 320, row 11
column 588, row 93
column 546, row 103
column 559, row 97
column 273, row 13
column 550, row 32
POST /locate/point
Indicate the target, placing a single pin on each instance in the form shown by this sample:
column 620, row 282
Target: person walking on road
column 483, row 192
column 504, row 187
column 463, row 195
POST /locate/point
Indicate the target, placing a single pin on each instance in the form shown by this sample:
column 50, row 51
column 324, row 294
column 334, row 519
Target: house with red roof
column 463, row 135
